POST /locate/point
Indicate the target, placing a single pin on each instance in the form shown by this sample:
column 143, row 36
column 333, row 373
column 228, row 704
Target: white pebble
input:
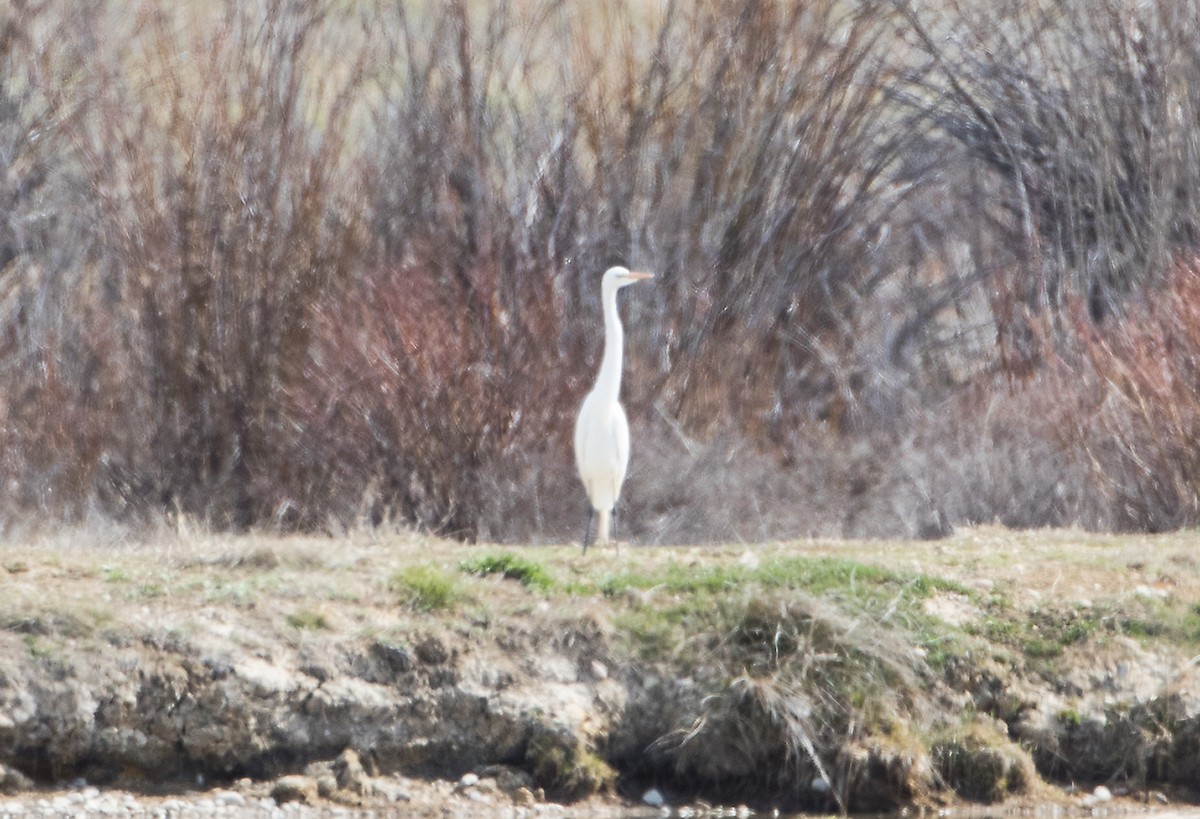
column 229, row 799
column 653, row 798
column 469, row 780
column 1102, row 794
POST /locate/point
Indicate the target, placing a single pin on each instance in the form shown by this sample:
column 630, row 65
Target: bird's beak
column 640, row 276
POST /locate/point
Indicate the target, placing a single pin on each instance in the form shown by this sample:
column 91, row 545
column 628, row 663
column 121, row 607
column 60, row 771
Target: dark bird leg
column 613, row 534
column 587, row 532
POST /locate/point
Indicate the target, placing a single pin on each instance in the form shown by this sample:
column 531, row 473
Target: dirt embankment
column 993, row 666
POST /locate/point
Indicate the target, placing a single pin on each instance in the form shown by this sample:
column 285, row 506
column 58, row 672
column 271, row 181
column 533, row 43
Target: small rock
column 327, row 785
column 1096, row 797
column 523, row 797
column 12, row 780
column 480, row 797
column 314, row 770
column 819, row 785
column 1160, row 797
column 229, row 799
column 507, row 778
column 395, row 657
column 469, row 780
column 294, row 788
column 653, row 798
column 599, row 670
column 317, row 670
column 432, row 651
column 348, row 769
column 390, row 790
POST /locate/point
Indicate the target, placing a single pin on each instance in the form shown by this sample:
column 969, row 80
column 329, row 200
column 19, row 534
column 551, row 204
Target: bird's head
column 617, row 277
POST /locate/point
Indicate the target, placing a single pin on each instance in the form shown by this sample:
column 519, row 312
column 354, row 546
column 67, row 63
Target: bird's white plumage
column 601, row 450
column 601, row 430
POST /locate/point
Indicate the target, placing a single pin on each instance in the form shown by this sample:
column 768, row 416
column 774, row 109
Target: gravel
column 444, row 800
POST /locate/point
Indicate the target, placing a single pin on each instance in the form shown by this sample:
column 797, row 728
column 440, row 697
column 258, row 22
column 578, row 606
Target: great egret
column 601, row 431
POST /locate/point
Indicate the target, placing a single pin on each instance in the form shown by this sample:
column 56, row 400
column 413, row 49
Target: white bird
column 601, row 430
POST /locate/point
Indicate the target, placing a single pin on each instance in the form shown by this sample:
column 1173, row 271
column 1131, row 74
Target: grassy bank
column 991, row 666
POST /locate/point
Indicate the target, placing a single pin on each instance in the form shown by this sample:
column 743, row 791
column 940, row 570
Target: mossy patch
column 527, row 572
column 426, row 588
column 848, row 580
column 565, row 768
column 307, row 619
column 982, row 766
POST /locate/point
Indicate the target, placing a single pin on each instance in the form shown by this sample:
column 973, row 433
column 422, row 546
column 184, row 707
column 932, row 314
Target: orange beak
column 640, row 276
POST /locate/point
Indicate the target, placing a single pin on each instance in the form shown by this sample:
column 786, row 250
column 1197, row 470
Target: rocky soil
column 188, row 674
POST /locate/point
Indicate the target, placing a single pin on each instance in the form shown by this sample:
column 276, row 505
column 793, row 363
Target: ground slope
column 364, row 669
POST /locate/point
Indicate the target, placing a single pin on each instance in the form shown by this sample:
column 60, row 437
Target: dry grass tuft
column 805, row 679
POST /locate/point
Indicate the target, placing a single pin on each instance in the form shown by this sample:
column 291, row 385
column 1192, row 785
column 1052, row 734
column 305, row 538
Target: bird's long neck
column 608, row 382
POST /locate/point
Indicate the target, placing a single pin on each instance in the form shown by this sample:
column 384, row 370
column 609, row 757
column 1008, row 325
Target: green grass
column 308, row 620
column 148, row 591
column 1046, row 633
column 425, row 588
column 755, row 615
column 815, row 575
column 1191, row 624
column 1071, row 717
column 114, row 574
column 34, row 646
column 530, row 574
column 679, row 598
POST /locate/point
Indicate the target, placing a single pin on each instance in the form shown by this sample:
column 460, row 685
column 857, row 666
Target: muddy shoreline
column 211, row 667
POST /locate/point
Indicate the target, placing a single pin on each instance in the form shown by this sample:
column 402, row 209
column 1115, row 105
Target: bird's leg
column 603, row 527
column 616, row 543
column 587, row 532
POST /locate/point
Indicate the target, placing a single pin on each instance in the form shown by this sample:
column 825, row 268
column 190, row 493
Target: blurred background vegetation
column 314, row 264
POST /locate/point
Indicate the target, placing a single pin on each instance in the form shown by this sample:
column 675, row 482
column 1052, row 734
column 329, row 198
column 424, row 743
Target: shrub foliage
column 308, row 264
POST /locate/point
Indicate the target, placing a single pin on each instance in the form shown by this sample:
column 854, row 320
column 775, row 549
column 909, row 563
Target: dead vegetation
column 310, row 265
column 822, row 675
